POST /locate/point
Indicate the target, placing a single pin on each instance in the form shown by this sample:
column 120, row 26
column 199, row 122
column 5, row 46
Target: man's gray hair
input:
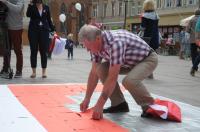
column 88, row 32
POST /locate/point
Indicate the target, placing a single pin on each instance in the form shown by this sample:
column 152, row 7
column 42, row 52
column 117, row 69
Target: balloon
column 78, row 6
column 62, row 17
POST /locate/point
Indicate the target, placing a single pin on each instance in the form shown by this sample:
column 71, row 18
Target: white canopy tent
column 184, row 22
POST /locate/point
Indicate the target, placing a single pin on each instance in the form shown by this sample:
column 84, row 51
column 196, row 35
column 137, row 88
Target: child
column 69, row 45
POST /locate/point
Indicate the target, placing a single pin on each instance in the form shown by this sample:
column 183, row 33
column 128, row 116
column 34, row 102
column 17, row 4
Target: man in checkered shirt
column 113, row 53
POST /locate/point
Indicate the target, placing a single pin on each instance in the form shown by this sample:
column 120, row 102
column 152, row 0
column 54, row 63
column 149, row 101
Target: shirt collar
column 106, row 40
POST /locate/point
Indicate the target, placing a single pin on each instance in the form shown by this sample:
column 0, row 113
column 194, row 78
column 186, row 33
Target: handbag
column 52, row 44
column 59, row 46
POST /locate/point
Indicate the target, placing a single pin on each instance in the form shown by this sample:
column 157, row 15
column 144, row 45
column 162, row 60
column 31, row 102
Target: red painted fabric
column 172, row 110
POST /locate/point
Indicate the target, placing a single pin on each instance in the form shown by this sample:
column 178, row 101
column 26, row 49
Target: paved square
column 55, row 108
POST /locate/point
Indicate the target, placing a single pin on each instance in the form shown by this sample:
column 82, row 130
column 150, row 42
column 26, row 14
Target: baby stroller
column 4, row 41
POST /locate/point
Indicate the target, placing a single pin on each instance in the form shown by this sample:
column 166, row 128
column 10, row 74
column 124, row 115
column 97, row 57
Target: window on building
column 178, row 3
column 192, row 2
column 133, row 9
column 120, row 8
column 169, row 3
column 158, row 3
column 162, row 3
column 95, row 10
column 113, row 8
column 104, row 9
column 139, row 7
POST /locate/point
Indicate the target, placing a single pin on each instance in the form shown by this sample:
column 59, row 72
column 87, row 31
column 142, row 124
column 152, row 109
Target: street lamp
column 79, row 7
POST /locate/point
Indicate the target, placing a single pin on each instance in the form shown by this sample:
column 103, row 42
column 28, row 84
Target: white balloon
column 62, row 17
column 78, row 6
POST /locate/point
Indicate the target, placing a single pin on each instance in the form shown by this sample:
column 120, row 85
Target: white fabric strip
column 14, row 117
column 161, row 108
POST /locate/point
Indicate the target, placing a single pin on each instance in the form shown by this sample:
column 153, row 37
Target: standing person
column 187, row 46
column 15, row 29
column 183, row 41
column 191, row 29
column 38, row 33
column 195, row 65
column 124, row 53
column 149, row 25
column 70, row 45
column 176, row 38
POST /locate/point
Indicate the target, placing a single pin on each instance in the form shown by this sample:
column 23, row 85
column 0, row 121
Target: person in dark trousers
column 3, row 28
column 116, row 52
column 70, row 45
column 149, row 25
column 15, row 29
column 193, row 47
column 4, row 41
column 38, row 33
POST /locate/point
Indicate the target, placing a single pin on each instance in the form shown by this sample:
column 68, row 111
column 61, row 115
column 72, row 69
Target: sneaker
column 123, row 107
column 18, row 74
column 192, row 72
column 7, row 75
column 1, row 72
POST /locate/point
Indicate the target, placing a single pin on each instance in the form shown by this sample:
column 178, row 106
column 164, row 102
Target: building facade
column 170, row 12
column 116, row 14
column 109, row 12
column 74, row 18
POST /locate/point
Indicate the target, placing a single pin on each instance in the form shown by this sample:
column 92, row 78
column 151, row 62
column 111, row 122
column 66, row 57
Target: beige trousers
column 132, row 81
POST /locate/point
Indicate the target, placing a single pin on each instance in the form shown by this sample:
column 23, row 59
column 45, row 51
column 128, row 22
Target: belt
column 151, row 51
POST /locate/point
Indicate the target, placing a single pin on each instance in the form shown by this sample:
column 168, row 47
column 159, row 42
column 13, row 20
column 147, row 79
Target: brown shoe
column 33, row 76
column 44, row 76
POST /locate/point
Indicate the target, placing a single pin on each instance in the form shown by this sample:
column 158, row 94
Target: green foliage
column 45, row 2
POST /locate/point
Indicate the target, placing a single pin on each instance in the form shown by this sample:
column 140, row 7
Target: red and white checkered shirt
column 122, row 47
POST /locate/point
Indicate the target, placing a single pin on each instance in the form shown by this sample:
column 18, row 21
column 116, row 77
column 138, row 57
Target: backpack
column 197, row 26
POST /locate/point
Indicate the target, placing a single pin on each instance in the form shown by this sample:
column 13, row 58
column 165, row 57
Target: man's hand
column 108, row 88
column 97, row 112
column 84, row 105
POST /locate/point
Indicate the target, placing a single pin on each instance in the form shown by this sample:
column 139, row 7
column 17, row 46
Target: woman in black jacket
column 38, row 33
column 149, row 25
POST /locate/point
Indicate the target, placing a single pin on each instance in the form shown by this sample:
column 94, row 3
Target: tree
column 46, row 2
